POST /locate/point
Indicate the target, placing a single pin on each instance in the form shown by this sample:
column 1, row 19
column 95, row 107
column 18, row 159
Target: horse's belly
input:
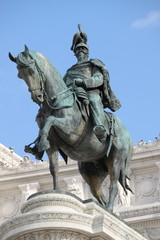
column 89, row 150
column 82, row 144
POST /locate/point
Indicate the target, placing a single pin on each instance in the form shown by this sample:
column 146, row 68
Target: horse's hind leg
column 114, row 173
column 94, row 174
column 53, row 166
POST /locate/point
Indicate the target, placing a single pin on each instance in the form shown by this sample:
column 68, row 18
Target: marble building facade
column 20, row 177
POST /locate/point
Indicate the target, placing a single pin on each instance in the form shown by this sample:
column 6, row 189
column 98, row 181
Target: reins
column 41, row 74
column 55, row 99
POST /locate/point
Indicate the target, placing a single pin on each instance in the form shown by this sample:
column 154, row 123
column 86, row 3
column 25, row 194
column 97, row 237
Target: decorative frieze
column 52, row 235
column 137, row 211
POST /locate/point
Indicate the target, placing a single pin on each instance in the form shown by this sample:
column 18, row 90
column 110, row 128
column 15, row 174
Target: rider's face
column 81, row 53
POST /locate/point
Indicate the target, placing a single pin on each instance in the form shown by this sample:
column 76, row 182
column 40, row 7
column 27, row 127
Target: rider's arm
column 95, row 81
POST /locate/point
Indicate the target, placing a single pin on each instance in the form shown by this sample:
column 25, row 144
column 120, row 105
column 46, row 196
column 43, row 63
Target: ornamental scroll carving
column 51, row 235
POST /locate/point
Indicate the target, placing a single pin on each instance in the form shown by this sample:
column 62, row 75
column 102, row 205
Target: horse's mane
column 43, row 63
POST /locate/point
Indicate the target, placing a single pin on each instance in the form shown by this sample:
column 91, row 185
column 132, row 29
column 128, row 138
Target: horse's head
column 31, row 73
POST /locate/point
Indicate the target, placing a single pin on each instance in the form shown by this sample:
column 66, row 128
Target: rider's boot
column 34, row 150
column 100, row 133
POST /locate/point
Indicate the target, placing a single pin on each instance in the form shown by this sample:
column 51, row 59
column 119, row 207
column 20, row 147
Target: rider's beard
column 81, row 57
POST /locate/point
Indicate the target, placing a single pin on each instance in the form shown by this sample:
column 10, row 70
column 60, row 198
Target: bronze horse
column 65, row 127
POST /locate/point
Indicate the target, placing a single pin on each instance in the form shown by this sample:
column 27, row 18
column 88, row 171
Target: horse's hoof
column 109, row 209
column 43, row 146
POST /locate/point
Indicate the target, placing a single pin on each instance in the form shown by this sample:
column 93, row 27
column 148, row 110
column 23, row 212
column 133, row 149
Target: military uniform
column 92, row 81
column 93, row 78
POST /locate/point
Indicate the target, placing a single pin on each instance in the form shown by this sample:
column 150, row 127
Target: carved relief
column 51, row 235
column 146, row 187
column 151, row 234
column 74, row 188
column 9, row 207
column 28, row 189
column 154, row 234
column 121, row 199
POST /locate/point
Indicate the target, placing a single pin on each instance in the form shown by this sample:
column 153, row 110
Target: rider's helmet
column 82, row 46
column 80, row 41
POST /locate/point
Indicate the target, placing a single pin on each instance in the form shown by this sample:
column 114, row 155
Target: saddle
column 83, row 103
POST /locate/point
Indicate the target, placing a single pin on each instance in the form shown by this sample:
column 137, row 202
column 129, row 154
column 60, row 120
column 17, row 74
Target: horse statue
column 66, row 127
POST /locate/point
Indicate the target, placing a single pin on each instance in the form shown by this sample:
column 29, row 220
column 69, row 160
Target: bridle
column 41, row 74
column 55, row 99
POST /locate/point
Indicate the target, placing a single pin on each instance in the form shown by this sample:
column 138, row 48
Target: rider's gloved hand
column 79, row 82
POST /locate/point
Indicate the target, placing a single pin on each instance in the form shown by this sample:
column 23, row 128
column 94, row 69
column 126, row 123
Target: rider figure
column 92, row 76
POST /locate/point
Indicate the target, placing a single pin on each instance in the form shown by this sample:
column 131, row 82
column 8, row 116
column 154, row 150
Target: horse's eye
column 31, row 72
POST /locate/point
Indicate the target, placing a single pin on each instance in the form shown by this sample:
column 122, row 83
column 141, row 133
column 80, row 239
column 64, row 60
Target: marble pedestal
column 63, row 216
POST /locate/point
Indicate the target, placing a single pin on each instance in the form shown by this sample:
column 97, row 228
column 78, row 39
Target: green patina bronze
column 72, row 119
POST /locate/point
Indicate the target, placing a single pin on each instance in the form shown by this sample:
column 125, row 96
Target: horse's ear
column 13, row 59
column 26, row 51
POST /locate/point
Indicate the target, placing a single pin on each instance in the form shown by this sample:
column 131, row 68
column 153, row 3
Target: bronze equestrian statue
column 72, row 119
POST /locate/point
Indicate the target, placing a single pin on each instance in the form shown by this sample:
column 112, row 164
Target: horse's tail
column 124, row 184
column 124, row 171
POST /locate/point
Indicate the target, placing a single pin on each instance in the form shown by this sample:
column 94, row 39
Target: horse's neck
column 54, row 83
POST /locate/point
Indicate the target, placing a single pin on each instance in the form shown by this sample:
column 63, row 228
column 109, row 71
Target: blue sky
column 124, row 34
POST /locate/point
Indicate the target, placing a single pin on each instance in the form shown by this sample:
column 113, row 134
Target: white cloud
column 152, row 19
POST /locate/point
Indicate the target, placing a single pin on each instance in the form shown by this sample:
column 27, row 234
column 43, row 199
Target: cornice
column 24, row 165
column 143, row 147
column 138, row 211
column 145, row 224
column 7, row 156
column 29, row 166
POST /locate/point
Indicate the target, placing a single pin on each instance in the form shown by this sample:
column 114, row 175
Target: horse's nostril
column 40, row 97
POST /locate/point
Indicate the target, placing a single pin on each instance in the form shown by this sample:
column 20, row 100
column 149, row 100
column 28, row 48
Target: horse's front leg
column 53, row 166
column 44, row 143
